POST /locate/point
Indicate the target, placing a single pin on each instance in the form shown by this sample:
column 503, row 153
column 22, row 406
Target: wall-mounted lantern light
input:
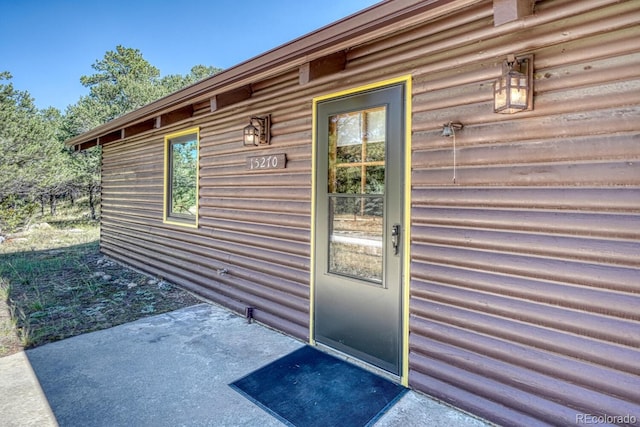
column 513, row 91
column 449, row 129
column 258, row 131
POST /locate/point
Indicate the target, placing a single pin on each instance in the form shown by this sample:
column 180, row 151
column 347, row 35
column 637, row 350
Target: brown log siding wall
column 525, row 272
column 252, row 244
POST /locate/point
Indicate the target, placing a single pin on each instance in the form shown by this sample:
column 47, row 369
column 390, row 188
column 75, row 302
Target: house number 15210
column 273, row 161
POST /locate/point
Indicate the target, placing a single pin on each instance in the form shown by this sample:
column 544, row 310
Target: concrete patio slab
column 173, row 370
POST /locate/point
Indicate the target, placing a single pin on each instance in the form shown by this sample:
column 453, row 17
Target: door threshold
column 360, row 363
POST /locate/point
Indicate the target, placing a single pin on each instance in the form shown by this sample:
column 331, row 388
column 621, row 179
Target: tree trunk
column 52, row 205
column 92, row 206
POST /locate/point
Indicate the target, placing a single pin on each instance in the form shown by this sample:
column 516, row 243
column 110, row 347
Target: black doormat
column 309, row 388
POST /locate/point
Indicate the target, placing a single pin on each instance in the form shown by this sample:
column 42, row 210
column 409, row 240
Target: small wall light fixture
column 513, row 91
column 258, row 131
column 449, row 129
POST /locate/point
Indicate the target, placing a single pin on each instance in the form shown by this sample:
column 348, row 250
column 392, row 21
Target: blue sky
column 48, row 44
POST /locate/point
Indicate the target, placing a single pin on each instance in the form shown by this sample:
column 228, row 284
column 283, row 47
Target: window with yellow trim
column 181, row 177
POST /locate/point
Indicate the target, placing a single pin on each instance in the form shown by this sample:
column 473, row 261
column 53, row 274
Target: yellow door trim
column 406, row 80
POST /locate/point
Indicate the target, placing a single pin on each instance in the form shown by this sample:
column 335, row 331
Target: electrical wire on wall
column 454, row 156
column 449, row 131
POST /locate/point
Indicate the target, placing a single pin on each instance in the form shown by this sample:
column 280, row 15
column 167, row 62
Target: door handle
column 395, row 238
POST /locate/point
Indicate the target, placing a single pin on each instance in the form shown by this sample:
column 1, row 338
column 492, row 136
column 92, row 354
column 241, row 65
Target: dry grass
column 55, row 284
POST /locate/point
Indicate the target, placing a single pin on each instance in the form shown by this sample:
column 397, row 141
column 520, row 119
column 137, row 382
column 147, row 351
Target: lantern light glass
column 257, row 132
column 512, row 91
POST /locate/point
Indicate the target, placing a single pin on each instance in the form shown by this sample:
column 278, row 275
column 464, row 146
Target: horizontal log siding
column 525, row 271
column 252, row 244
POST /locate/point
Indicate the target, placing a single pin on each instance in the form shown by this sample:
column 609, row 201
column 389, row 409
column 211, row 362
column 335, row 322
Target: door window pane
column 355, row 242
column 374, row 180
column 356, row 193
column 357, row 151
column 376, row 124
column 348, row 180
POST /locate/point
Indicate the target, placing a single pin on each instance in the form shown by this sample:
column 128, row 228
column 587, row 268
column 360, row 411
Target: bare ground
column 55, row 284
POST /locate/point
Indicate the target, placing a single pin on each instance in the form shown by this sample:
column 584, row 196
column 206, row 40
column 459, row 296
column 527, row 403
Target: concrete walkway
column 168, row 370
column 22, row 402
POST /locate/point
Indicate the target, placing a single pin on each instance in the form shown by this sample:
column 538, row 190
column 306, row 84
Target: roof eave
column 362, row 26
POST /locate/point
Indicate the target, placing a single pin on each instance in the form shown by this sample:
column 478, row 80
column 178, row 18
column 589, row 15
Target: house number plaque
column 273, row 161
